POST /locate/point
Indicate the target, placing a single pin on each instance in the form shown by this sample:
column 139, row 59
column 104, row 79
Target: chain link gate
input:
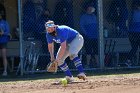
column 117, row 15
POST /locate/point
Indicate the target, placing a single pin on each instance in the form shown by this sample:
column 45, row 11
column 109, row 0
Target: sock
column 78, row 64
column 66, row 69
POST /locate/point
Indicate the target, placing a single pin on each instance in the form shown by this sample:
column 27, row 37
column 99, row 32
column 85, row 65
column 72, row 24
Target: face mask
column 53, row 33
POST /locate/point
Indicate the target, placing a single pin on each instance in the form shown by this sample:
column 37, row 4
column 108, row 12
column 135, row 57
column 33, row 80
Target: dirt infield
column 96, row 84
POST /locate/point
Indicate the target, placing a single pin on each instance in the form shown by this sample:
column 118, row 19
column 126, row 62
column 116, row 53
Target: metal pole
column 101, row 39
column 20, row 34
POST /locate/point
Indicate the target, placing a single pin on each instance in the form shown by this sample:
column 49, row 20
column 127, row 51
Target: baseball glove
column 52, row 66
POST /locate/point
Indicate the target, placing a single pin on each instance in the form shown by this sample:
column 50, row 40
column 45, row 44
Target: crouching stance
column 70, row 44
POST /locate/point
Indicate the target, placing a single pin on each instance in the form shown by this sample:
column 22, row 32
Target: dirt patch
column 117, row 84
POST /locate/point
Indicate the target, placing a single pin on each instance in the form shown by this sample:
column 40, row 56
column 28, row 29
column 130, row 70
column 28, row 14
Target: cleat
column 69, row 79
column 82, row 76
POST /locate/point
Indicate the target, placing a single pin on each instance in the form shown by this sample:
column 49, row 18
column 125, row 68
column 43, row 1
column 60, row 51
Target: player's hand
column 52, row 66
column 52, row 58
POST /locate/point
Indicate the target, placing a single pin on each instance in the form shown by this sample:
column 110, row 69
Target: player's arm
column 7, row 29
column 51, row 50
column 61, row 51
column 53, row 65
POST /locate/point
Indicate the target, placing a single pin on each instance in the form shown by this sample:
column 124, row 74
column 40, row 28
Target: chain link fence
column 121, row 25
column 120, row 30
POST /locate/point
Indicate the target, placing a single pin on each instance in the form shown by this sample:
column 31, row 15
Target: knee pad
column 73, row 56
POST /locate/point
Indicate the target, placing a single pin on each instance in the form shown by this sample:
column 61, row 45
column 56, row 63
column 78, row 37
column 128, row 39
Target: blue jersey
column 88, row 24
column 4, row 27
column 64, row 33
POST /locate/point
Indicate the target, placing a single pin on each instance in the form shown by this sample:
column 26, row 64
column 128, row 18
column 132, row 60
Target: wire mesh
column 120, row 29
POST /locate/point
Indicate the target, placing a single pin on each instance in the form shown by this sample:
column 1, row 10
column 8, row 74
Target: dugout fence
column 113, row 23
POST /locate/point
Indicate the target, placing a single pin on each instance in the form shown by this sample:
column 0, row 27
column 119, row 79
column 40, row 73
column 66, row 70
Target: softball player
column 70, row 44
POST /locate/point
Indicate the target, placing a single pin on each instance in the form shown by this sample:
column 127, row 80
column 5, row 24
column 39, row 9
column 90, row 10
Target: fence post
column 101, row 39
column 20, row 34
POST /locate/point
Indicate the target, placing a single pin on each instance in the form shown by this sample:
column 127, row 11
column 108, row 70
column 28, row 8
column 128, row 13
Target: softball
column 64, row 82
